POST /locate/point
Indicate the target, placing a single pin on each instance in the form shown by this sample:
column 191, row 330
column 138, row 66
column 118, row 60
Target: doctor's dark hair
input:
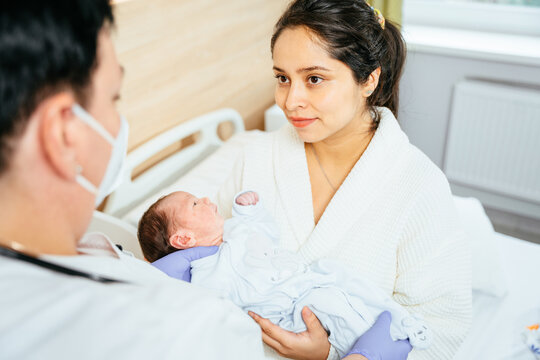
column 153, row 232
column 351, row 33
column 46, row 47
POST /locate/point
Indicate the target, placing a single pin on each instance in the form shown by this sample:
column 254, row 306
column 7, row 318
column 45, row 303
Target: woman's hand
column 311, row 344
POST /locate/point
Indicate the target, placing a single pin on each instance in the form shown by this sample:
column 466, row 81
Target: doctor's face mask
column 116, row 168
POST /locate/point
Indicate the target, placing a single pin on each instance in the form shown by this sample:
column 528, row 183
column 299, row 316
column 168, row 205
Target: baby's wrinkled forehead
column 176, row 206
column 176, row 201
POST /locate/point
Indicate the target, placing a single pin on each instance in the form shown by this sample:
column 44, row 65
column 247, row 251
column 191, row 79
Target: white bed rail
column 132, row 191
column 119, row 231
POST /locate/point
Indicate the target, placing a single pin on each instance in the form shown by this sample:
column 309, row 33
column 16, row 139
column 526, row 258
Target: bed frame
column 119, row 231
column 205, row 128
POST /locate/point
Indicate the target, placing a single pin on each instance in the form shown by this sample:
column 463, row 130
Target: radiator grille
column 494, row 139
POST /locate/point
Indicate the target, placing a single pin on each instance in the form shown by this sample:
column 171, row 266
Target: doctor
column 62, row 145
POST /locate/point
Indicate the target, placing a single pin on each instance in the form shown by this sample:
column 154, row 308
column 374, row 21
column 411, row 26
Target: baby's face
column 199, row 216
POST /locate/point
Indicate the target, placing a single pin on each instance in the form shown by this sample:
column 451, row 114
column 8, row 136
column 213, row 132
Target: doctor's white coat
column 48, row 315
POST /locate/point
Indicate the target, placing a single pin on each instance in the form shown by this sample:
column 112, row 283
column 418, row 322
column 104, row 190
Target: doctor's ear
column 56, row 133
column 182, row 239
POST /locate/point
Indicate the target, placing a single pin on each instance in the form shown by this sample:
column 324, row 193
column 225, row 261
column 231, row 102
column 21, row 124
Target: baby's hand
column 248, row 198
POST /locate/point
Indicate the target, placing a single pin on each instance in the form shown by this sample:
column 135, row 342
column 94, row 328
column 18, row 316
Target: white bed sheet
column 497, row 322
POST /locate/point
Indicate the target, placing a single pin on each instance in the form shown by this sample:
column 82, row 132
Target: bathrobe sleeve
column 433, row 269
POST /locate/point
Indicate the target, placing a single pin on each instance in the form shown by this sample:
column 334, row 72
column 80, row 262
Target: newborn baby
column 257, row 275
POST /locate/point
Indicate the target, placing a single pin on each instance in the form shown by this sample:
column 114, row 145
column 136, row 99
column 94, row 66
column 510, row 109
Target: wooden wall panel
column 187, row 57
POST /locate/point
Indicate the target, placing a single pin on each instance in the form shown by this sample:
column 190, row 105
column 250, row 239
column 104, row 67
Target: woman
column 342, row 179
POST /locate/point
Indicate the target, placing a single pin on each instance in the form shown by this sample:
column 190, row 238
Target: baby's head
column 179, row 221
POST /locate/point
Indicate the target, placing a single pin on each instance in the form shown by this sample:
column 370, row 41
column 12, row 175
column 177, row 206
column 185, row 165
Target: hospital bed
column 506, row 291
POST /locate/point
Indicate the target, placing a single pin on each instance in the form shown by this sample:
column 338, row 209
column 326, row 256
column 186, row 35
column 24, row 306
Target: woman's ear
column 372, row 82
column 183, row 239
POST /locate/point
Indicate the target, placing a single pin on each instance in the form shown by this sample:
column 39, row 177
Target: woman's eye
column 314, row 80
column 282, row 79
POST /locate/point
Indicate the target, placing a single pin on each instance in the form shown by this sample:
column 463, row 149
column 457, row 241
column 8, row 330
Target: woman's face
column 317, row 93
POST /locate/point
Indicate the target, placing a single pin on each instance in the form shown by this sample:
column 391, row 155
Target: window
column 502, row 16
column 504, row 2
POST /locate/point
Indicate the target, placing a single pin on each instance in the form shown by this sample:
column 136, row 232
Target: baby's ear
column 182, row 239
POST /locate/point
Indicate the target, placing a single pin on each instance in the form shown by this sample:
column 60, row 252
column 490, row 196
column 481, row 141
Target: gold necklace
column 321, row 167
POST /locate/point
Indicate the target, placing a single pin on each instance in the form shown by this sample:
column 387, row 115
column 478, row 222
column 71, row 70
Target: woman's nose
column 296, row 98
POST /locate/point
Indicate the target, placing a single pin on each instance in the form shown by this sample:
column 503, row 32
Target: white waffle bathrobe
column 392, row 221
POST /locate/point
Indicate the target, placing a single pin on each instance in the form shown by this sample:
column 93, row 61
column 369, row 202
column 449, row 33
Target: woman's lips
column 301, row 122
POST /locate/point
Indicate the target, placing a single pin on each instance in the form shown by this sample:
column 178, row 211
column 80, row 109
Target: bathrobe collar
column 352, row 199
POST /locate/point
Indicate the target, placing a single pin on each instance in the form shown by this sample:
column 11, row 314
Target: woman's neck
column 345, row 146
column 331, row 160
column 345, row 150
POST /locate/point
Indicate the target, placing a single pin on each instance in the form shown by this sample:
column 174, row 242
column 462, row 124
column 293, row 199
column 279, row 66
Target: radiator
column 493, row 145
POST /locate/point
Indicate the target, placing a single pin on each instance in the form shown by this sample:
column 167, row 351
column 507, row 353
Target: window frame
column 497, row 18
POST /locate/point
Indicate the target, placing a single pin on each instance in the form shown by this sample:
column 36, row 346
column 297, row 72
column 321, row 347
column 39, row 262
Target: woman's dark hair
column 351, row 33
column 45, row 47
column 153, row 233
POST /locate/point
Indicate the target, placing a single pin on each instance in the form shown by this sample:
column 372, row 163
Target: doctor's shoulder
column 50, row 315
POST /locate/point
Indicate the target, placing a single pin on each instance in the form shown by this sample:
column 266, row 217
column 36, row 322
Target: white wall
column 426, row 93
column 426, row 99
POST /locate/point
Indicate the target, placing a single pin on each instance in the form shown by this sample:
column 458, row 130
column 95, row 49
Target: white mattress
column 497, row 322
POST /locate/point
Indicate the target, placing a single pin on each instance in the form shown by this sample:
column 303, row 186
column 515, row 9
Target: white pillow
column 488, row 273
column 206, row 178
